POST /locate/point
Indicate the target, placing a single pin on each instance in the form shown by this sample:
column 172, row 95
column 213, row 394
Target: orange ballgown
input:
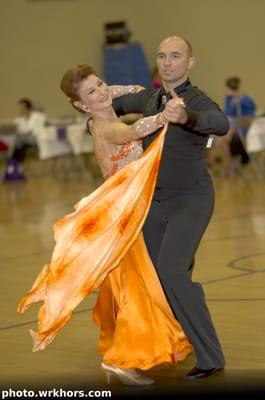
column 100, row 245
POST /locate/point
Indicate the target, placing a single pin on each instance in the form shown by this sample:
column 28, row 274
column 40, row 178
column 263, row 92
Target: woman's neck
column 107, row 114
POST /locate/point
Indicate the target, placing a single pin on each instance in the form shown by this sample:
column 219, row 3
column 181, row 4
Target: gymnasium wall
column 40, row 39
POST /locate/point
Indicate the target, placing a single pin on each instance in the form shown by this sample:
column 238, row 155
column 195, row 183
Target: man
column 184, row 198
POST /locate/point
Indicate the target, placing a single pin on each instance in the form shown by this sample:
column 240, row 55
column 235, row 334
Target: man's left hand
column 175, row 110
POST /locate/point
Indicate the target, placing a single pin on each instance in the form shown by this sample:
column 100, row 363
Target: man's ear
column 80, row 105
column 191, row 62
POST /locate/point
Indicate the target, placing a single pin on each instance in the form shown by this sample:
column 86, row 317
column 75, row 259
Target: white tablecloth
column 76, row 141
column 255, row 140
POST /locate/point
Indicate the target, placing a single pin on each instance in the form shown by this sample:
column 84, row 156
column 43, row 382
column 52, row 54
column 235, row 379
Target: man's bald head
column 174, row 61
column 177, row 40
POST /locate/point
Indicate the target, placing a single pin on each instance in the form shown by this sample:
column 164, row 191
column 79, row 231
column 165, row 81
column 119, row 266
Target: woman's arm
column 120, row 133
column 119, row 90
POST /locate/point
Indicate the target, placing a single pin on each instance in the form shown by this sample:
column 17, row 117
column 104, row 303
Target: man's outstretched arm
column 130, row 103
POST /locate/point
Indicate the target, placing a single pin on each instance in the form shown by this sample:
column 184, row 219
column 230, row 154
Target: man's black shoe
column 197, row 373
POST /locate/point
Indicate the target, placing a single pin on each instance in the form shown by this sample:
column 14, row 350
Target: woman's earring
column 84, row 108
column 81, row 106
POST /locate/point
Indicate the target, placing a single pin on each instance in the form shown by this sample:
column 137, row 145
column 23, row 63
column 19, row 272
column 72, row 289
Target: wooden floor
column 230, row 264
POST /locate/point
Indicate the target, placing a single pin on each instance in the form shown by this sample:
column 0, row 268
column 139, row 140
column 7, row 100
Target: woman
column 100, row 246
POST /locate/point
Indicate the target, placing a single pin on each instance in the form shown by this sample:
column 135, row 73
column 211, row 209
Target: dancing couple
column 136, row 236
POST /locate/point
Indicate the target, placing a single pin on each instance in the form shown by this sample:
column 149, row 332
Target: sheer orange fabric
column 100, row 245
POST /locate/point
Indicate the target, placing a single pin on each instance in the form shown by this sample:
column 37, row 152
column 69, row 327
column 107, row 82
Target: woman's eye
column 100, row 83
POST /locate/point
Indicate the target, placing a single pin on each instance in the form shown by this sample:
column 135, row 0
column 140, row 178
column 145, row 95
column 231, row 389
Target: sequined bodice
column 125, row 154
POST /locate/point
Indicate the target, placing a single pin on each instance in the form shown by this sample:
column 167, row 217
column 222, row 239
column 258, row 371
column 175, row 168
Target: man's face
column 174, row 60
column 231, row 92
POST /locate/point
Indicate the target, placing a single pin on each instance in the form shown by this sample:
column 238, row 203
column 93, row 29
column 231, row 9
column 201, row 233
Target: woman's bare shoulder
column 100, row 128
column 108, row 129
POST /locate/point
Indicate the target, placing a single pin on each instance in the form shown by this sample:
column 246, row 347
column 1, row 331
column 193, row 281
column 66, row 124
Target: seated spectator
column 29, row 125
column 236, row 105
column 240, row 110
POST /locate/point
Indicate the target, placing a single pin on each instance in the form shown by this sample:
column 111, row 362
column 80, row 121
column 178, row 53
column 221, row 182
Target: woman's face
column 94, row 94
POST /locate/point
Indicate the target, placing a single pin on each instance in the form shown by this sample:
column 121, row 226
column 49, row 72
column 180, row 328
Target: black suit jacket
column 182, row 165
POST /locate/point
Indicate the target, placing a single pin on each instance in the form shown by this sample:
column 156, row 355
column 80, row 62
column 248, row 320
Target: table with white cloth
column 255, row 145
column 255, row 140
column 55, row 141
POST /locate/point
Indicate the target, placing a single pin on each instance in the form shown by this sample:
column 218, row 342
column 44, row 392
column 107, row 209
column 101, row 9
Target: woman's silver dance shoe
column 128, row 376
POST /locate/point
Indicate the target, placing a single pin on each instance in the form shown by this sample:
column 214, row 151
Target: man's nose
column 167, row 60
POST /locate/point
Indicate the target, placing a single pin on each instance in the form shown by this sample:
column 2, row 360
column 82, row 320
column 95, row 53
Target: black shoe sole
column 203, row 376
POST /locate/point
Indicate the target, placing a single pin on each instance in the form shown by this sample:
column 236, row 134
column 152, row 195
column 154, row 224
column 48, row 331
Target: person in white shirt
column 29, row 124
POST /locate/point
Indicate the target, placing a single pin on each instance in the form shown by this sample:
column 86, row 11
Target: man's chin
column 169, row 79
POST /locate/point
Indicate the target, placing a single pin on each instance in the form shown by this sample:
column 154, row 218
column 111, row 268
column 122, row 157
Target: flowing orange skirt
column 100, row 245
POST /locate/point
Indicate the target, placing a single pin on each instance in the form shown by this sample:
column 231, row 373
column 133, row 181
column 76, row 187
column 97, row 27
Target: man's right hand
column 175, row 110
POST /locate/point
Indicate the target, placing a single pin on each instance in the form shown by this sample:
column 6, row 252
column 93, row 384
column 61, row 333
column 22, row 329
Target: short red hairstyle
column 72, row 79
